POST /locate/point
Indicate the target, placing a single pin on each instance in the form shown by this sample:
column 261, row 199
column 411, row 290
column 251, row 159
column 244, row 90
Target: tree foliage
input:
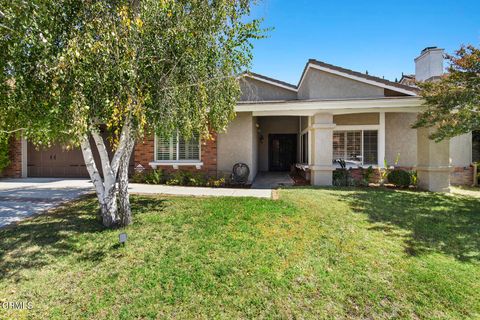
column 453, row 103
column 136, row 66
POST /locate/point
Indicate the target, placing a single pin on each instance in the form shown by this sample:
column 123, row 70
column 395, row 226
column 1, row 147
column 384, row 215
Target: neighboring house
column 408, row 79
column 332, row 113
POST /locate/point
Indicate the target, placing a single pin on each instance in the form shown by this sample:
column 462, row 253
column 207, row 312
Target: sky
column 382, row 37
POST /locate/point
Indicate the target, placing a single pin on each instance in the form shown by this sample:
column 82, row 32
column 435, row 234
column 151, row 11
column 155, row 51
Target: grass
column 314, row 253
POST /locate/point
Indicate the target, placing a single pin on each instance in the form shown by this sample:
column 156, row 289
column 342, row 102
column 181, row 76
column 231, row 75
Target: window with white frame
column 356, row 145
column 304, row 148
column 177, row 148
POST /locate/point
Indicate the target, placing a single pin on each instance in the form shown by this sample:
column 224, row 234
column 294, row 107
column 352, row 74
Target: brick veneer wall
column 144, row 154
column 14, row 170
column 460, row 176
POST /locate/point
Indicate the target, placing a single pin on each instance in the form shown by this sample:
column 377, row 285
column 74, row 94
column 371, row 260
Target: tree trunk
column 106, row 189
column 125, row 211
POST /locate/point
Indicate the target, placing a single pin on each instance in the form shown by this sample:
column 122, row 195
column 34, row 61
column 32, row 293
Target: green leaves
column 70, row 65
column 453, row 103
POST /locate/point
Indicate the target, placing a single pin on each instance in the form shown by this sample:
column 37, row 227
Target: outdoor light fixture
column 122, row 238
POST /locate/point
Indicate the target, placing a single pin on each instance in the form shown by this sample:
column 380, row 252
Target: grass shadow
column 34, row 242
column 434, row 222
column 38, row 241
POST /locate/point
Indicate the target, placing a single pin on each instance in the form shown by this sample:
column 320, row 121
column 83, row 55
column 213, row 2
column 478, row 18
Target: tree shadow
column 41, row 240
column 434, row 222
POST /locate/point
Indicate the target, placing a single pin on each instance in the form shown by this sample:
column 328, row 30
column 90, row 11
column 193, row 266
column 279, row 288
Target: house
column 331, row 113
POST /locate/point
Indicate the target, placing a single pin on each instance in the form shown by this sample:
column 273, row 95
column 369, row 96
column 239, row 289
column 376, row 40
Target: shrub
column 138, row 177
column 367, row 175
column 176, row 179
column 216, row 183
column 194, row 179
column 155, row 176
column 414, row 178
column 342, row 178
column 400, row 178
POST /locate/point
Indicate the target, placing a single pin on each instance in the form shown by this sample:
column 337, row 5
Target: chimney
column 429, row 65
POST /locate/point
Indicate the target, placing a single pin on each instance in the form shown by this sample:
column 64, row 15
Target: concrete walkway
column 271, row 180
column 21, row 198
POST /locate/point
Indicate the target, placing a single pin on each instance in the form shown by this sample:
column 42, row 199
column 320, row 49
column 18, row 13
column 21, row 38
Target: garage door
column 55, row 162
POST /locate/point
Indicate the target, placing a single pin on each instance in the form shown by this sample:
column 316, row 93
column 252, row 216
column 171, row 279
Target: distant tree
column 137, row 67
column 453, row 103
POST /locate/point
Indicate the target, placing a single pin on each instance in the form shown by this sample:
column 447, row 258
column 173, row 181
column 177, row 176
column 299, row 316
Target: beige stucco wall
column 322, row 85
column 255, row 90
column 461, row 150
column 356, row 119
column 237, row 144
column 400, row 138
column 272, row 125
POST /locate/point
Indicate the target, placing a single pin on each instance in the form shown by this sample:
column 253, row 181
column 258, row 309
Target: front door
column 282, row 151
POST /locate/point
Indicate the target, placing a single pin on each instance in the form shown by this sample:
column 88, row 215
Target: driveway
column 21, row 198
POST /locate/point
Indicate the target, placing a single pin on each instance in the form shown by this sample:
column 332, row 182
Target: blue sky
column 382, row 37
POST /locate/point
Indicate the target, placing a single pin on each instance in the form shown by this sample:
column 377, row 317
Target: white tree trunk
column 105, row 189
column 125, row 211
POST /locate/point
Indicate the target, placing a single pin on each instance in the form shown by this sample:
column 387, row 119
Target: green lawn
column 315, row 253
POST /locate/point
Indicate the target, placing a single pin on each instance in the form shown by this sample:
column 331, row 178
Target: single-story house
column 332, row 113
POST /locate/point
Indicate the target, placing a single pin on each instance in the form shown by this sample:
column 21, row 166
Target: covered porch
column 312, row 135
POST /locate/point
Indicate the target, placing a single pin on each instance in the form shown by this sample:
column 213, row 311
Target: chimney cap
column 429, row 48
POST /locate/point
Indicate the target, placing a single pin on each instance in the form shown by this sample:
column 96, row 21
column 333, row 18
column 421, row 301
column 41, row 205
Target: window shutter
column 354, row 149
column 370, row 146
column 338, row 145
column 189, row 149
column 167, row 148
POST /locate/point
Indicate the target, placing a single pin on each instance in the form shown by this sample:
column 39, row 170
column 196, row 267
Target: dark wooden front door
column 282, row 151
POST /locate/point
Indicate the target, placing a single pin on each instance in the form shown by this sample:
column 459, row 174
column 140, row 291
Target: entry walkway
column 272, row 180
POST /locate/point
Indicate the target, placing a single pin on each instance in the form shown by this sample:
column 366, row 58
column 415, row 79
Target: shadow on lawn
column 435, row 222
column 39, row 241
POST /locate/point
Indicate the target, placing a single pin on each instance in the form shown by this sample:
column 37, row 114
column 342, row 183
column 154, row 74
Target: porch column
column 321, row 146
column 433, row 162
column 381, row 140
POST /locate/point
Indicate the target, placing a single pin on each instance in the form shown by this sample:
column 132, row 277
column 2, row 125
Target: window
column 177, row 148
column 359, row 146
column 304, row 146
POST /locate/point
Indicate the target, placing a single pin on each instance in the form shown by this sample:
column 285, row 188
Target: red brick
column 14, row 170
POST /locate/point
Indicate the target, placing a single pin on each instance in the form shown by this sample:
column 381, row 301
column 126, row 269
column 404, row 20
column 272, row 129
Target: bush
column 216, row 183
column 342, row 178
column 400, row 178
column 367, row 176
column 177, row 178
column 195, row 179
column 155, row 176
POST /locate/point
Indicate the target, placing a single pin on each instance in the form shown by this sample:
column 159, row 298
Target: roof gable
column 256, row 87
column 357, row 76
column 275, row 82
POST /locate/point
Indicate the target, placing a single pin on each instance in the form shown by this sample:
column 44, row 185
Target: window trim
column 176, row 163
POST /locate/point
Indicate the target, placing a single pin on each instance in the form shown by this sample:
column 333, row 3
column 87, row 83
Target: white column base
column 436, row 179
column 321, row 175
